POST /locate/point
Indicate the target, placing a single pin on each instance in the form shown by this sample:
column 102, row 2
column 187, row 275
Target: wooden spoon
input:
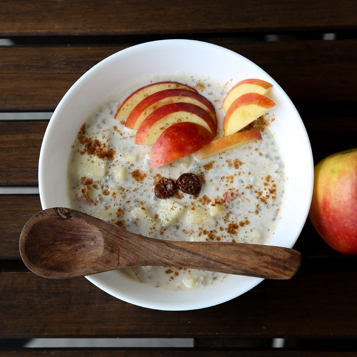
column 60, row 243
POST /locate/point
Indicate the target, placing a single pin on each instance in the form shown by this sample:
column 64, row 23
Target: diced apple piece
column 142, row 213
column 161, row 98
column 215, row 209
column 91, row 167
column 186, row 162
column 230, row 195
column 227, row 142
column 190, row 282
column 201, row 238
column 136, row 97
column 119, row 174
column 244, row 110
column 136, row 272
column 161, row 119
column 177, row 141
column 256, row 237
column 169, row 212
column 84, row 194
column 88, row 193
column 251, row 85
column 108, row 214
column 201, row 216
column 126, row 157
column 148, row 268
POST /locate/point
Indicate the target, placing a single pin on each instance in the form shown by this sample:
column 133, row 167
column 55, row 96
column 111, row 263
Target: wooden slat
column 330, row 135
column 14, row 213
column 163, row 352
column 41, row 82
column 311, row 305
column 20, row 144
column 128, row 17
column 311, row 71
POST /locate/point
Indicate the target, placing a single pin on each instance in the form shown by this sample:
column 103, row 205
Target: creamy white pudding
column 110, row 177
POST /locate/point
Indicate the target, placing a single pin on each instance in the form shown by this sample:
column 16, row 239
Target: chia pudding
column 110, row 177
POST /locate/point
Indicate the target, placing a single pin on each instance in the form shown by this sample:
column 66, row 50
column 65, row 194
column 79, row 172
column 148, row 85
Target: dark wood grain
column 318, row 303
column 311, row 305
column 20, row 144
column 15, row 211
column 331, row 135
column 41, row 82
column 107, row 17
column 164, row 352
column 309, row 71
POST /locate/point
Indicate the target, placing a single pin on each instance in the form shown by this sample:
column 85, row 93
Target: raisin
column 165, row 188
column 189, row 183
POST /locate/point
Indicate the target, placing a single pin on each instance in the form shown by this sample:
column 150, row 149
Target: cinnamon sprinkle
column 94, row 146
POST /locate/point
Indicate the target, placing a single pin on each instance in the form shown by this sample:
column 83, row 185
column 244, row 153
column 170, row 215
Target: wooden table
column 310, row 48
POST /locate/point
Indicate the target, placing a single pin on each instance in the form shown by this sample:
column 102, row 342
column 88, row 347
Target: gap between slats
column 273, row 37
column 26, row 116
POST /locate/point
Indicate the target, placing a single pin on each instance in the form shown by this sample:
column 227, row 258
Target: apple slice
column 227, row 142
column 158, row 99
column 244, row 110
column 160, row 119
column 251, row 85
column 177, row 141
column 136, row 97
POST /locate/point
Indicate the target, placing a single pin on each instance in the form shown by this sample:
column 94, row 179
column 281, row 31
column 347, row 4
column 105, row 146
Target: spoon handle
column 255, row 260
column 63, row 243
column 233, row 258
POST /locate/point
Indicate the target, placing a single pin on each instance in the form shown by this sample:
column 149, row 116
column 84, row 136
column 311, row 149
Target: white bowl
column 177, row 56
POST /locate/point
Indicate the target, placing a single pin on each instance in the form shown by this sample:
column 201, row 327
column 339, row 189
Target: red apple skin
column 246, row 100
column 258, row 82
column 253, row 81
column 251, row 98
column 178, row 141
column 152, row 88
column 171, row 95
column 162, row 112
column 333, row 210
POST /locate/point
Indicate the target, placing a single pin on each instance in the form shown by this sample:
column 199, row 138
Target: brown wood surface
column 134, row 17
column 20, row 144
column 310, row 305
column 164, row 352
column 15, row 210
column 309, row 71
column 317, row 304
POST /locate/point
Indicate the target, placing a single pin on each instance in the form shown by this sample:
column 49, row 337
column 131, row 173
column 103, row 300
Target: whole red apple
column 333, row 210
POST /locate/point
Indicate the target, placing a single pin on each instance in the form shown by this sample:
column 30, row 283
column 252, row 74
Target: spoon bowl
column 61, row 243
column 48, row 248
